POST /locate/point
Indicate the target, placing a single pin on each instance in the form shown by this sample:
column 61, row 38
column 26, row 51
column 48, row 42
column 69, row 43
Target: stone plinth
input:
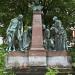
column 37, row 53
column 37, row 58
column 57, row 53
column 16, row 59
column 58, row 58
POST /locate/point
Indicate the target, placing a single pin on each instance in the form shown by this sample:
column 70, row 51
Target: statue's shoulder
column 14, row 20
column 59, row 21
column 47, row 30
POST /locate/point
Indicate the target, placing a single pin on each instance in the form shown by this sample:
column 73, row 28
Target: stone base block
column 16, row 59
column 37, row 61
column 37, row 52
column 37, row 58
column 58, row 58
column 60, row 61
column 57, row 53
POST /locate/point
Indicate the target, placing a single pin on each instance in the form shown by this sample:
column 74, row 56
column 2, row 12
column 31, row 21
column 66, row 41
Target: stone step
column 43, row 73
column 42, row 70
column 72, row 73
column 30, row 73
column 31, row 69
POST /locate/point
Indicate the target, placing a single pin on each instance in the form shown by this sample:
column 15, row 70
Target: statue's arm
column 8, row 29
column 20, row 29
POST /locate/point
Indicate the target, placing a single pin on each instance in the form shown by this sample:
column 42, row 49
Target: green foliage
column 3, row 53
column 51, row 71
column 72, row 54
column 64, row 9
column 12, row 8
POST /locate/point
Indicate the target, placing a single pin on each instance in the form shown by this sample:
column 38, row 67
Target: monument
column 44, row 49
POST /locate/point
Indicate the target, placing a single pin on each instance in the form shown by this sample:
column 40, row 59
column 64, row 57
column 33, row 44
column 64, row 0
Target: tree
column 12, row 8
column 64, row 9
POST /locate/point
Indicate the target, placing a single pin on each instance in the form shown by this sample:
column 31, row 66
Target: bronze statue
column 15, row 29
column 59, row 34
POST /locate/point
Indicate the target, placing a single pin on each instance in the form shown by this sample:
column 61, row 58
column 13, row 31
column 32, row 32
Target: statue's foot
column 9, row 50
column 6, row 49
column 14, row 50
column 54, row 50
column 21, row 49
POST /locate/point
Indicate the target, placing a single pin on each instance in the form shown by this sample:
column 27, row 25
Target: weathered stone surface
column 37, row 54
column 37, row 61
column 57, row 53
column 37, row 58
column 37, row 38
column 31, row 70
column 58, row 58
column 16, row 59
column 61, row 61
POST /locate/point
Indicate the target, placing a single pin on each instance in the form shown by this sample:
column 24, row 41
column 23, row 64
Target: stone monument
column 37, row 55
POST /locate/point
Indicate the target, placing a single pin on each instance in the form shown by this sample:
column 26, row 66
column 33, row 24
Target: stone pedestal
column 16, row 59
column 58, row 58
column 37, row 58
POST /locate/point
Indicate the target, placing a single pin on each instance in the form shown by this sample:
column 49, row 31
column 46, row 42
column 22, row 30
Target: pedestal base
column 16, row 59
column 58, row 58
column 37, row 58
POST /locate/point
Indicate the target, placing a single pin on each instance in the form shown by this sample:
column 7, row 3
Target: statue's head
column 44, row 27
column 29, row 27
column 20, row 17
column 55, row 18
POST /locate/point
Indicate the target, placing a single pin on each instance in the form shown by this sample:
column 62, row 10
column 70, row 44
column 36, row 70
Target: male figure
column 60, row 36
column 48, row 42
column 15, row 29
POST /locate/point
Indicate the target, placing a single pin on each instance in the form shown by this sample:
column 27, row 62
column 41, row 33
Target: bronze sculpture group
column 55, row 38
column 15, row 32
